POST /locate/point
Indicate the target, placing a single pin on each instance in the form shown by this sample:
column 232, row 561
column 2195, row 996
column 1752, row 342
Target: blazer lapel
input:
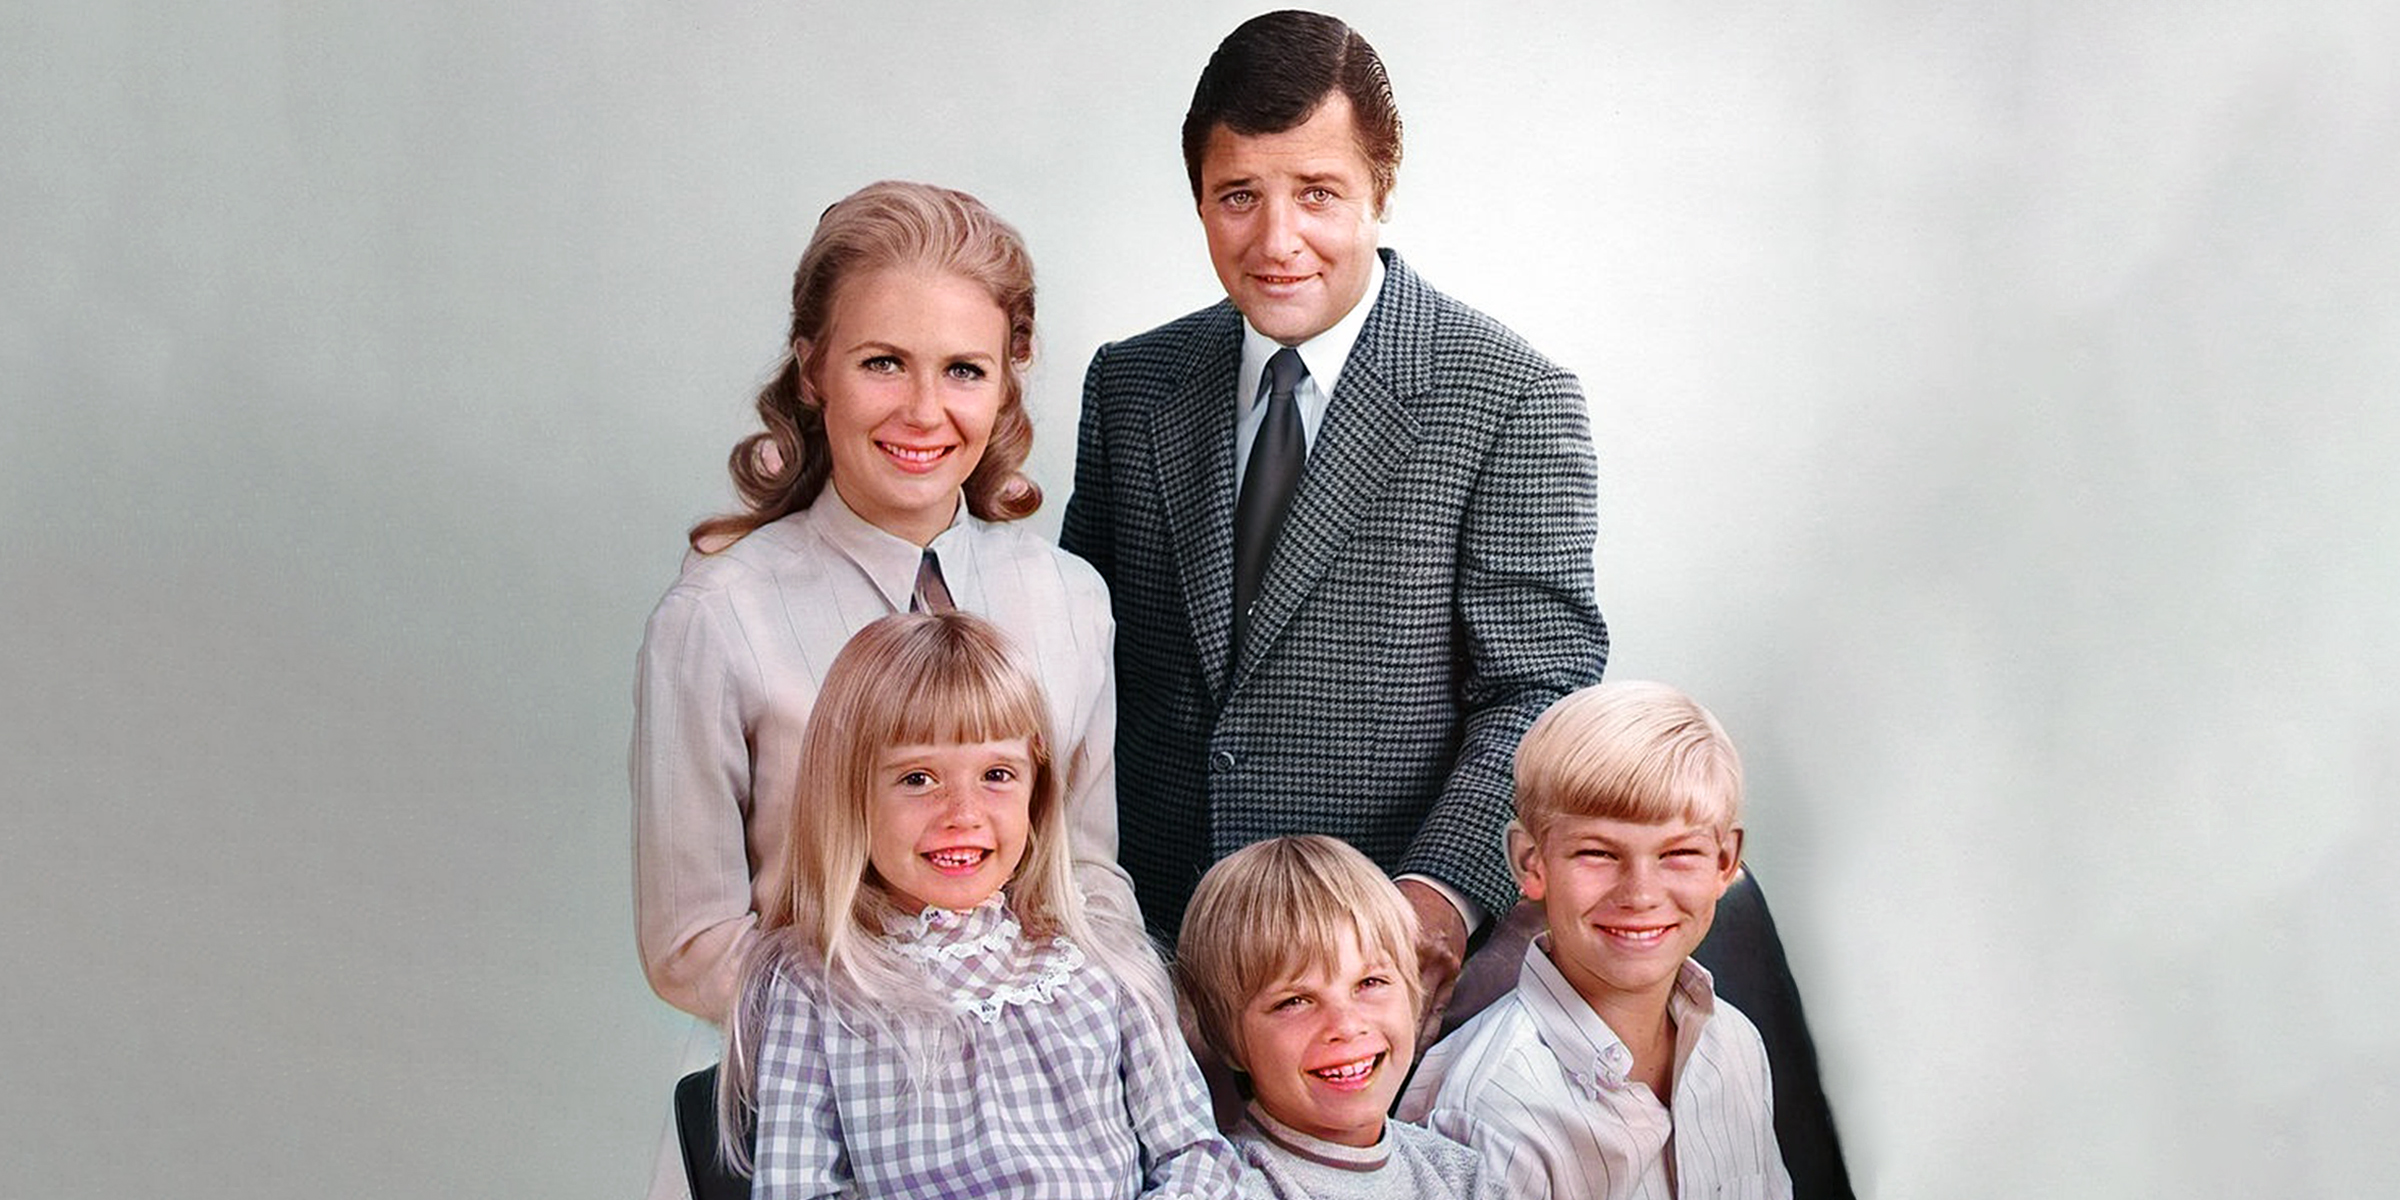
column 1192, row 429
column 1370, row 429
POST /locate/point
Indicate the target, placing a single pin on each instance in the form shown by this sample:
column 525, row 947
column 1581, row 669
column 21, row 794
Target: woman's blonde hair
column 1272, row 908
column 884, row 226
column 1628, row 751
column 906, row 679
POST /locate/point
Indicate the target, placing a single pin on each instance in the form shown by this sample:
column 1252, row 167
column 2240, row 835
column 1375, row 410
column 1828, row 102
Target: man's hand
column 1441, row 948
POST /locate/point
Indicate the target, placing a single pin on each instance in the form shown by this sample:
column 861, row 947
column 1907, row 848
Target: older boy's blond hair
column 1273, row 907
column 1628, row 751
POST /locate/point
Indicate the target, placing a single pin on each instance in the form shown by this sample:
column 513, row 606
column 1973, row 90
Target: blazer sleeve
column 1531, row 629
column 1085, row 532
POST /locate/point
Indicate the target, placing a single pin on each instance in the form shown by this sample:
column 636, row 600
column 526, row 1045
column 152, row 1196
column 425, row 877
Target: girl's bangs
column 964, row 701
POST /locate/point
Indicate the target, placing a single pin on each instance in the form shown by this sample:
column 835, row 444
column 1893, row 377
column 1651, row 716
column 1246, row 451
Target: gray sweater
column 1410, row 1161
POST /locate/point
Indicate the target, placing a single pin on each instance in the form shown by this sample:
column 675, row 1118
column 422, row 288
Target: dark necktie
column 933, row 593
column 1272, row 474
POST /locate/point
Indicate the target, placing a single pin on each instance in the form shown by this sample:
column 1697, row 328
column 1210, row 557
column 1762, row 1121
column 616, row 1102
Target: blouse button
column 1221, row 761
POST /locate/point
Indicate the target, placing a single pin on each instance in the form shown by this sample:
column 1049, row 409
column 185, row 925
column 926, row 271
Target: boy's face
column 1326, row 1049
column 1625, row 901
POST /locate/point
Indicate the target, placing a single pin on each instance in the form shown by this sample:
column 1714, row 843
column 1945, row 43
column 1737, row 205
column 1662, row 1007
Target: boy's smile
column 1326, row 1050
column 1625, row 901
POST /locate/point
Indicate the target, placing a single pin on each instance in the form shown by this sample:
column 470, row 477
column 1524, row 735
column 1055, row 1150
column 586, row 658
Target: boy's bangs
column 1308, row 906
column 1692, row 797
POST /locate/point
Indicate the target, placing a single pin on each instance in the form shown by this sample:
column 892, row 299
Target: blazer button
column 1221, row 761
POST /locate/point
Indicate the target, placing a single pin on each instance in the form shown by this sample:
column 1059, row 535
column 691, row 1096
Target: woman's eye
column 966, row 372
column 881, row 364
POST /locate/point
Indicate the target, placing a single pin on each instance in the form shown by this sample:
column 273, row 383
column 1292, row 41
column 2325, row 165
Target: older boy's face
column 1326, row 1050
column 1626, row 901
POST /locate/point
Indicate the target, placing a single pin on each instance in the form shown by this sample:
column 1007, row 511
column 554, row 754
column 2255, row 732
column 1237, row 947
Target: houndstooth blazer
column 1430, row 594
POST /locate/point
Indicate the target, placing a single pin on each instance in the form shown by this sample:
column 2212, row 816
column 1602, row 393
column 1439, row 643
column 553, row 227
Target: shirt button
column 1221, row 761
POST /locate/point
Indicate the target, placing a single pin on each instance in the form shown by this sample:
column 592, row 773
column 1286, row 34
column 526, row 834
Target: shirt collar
column 1318, row 1150
column 1323, row 354
column 888, row 560
column 1590, row 1052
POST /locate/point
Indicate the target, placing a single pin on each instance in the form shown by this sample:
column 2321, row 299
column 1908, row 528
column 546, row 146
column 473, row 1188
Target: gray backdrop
column 1995, row 415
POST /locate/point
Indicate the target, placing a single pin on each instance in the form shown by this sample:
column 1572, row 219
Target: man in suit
column 1365, row 665
column 1346, row 579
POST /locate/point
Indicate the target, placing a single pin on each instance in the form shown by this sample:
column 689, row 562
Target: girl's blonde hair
column 906, row 679
column 1272, row 908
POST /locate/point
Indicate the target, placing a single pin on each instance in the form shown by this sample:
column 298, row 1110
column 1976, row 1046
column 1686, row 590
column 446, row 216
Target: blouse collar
column 889, row 561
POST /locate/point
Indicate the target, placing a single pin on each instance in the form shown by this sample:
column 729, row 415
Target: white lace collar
column 981, row 958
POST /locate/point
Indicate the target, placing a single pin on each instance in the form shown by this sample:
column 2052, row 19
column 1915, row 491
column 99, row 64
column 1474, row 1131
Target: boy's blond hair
column 1273, row 907
column 1628, row 751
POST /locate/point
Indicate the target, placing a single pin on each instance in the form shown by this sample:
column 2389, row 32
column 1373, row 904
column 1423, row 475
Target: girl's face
column 949, row 820
column 911, row 371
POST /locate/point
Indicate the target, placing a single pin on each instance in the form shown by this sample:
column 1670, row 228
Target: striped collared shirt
column 1538, row 1084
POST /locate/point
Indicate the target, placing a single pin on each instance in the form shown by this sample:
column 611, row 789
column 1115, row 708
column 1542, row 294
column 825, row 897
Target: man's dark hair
column 1270, row 74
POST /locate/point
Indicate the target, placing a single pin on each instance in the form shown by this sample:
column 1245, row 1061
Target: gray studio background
column 1994, row 404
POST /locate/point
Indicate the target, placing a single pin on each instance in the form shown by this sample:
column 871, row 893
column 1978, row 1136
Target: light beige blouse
column 729, row 670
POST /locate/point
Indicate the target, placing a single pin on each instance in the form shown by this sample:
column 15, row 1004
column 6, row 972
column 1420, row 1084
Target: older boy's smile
column 1638, row 938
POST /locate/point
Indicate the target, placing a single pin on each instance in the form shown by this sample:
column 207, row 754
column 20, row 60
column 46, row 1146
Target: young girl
column 929, row 1010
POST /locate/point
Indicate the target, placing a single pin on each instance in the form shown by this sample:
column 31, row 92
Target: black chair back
column 696, row 1129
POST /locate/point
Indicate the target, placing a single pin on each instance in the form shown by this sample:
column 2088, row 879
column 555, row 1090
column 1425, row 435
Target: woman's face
column 910, row 371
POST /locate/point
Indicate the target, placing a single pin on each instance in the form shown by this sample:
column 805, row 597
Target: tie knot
column 1284, row 373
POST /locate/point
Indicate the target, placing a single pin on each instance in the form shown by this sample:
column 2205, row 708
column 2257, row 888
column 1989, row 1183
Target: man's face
column 1626, row 901
column 1291, row 221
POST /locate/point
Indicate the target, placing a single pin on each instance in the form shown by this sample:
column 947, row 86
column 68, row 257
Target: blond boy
column 1298, row 961
column 1613, row 1071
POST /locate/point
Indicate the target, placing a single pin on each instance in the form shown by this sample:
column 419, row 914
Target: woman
column 886, row 479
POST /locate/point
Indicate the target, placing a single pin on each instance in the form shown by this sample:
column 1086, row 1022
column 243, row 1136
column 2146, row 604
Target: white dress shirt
column 1538, row 1084
column 1324, row 355
column 729, row 670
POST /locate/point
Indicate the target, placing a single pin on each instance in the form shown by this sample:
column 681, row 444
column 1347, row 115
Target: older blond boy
column 1613, row 1071
column 1298, row 961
